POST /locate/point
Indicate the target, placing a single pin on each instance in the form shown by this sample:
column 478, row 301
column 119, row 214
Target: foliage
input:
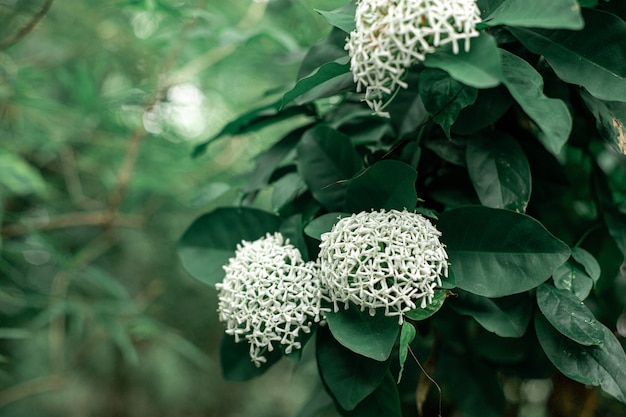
column 515, row 148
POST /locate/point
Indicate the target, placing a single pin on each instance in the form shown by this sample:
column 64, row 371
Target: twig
column 28, row 27
column 30, row 388
column 426, row 374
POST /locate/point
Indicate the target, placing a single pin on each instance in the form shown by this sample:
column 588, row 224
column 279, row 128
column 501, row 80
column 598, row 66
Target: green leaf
column 603, row 366
column 350, row 377
column 592, row 57
column 490, row 106
column 588, row 261
column 423, row 313
column 329, row 79
column 614, row 218
column 388, row 184
column 236, row 363
column 569, row 315
column 286, row 189
column 496, row 252
column 323, row 224
column 506, row 317
column 550, row 114
column 479, row 68
column 342, row 18
column 384, row 401
column 370, row 336
column 291, row 229
column 18, row 177
column 610, row 120
column 255, row 120
column 554, row 14
column 571, row 277
column 444, row 97
column 326, row 158
column 407, row 334
column 211, row 240
column 499, row 172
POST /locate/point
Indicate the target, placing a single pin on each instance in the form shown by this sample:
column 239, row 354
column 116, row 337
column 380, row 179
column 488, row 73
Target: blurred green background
column 101, row 105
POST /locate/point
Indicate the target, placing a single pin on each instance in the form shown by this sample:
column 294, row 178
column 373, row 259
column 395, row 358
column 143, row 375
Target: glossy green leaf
column 610, row 120
column 236, row 363
column 406, row 110
column 423, row 313
column 444, row 97
column 384, row 401
column 603, row 366
column 550, row 114
column 323, row 224
column 326, row 159
column 350, row 377
column 18, row 177
column 256, row 119
column 407, row 334
column 554, row 14
column 572, row 277
column 588, row 261
column 329, row 79
column 506, row 317
column 496, row 252
column 388, row 184
column 342, row 18
column 370, row 336
column 479, row 68
column 211, row 240
column 569, row 315
column 592, row 57
column 490, row 105
column 499, row 172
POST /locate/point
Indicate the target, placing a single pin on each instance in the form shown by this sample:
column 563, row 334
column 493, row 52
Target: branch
column 29, row 26
column 29, row 388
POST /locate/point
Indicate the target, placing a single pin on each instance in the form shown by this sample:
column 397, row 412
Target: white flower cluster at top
column 269, row 294
column 393, row 35
column 389, row 260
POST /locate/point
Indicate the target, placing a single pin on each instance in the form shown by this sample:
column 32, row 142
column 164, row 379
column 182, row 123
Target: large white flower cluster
column 390, row 260
column 393, row 35
column 269, row 295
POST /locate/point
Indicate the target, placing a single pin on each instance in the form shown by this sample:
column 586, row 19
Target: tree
column 500, row 124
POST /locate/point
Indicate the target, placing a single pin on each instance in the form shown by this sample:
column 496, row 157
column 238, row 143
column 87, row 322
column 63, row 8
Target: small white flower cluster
column 390, row 260
column 393, row 35
column 269, row 294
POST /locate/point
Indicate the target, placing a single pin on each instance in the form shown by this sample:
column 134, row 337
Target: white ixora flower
column 269, row 295
column 393, row 35
column 392, row 260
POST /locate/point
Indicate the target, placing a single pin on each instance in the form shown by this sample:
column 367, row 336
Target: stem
column 422, row 398
column 28, row 27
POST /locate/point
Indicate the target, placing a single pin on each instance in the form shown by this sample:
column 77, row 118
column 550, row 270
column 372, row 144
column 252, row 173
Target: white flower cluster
column 393, row 35
column 269, row 295
column 391, row 260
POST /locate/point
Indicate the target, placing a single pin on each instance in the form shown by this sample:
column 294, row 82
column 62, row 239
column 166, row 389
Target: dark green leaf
column 407, row 334
column 496, row 253
column 326, row 158
column 423, row 313
column 387, row 184
column 211, row 239
column 350, row 377
column 342, row 18
column 614, row 219
column 569, row 315
column 592, row 57
column 550, row 114
column 323, row 224
column 587, row 260
column 407, row 110
column 291, row 229
column 370, row 336
column 479, row 68
column 506, row 317
column 236, row 363
column 610, row 120
column 499, row 172
column 571, row 277
column 444, row 97
column 255, row 120
column 555, row 14
column 329, row 79
column 330, row 49
column 385, row 401
column 490, row 105
column 286, row 189
column 603, row 366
